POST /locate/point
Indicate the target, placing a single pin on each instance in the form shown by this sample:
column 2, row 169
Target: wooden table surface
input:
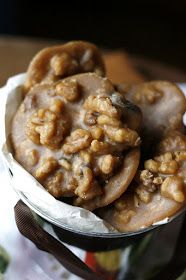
column 16, row 53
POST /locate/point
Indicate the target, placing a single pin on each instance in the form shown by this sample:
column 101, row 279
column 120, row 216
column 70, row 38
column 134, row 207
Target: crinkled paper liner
column 30, row 191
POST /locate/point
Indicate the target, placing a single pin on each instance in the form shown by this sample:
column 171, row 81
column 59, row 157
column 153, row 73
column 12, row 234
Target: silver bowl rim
column 110, row 235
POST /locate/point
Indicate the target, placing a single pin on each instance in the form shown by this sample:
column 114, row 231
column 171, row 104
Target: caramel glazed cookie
column 162, row 104
column 158, row 190
column 76, row 141
column 54, row 63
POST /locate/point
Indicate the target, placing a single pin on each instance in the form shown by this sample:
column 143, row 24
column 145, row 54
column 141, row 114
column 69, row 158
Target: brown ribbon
column 29, row 227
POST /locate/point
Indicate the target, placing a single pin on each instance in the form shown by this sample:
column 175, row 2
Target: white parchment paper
column 74, row 217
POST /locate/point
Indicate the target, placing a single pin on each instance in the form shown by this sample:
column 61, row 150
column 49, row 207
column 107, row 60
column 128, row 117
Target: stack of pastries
column 116, row 149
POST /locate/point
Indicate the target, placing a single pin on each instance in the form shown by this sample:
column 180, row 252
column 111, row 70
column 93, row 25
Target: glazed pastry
column 54, row 63
column 162, row 103
column 78, row 140
column 157, row 192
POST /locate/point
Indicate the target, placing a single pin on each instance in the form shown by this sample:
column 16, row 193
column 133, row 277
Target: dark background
column 153, row 29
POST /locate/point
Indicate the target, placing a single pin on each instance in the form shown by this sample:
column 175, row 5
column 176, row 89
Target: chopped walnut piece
column 158, row 180
column 143, row 194
column 174, row 141
column 77, row 165
column 99, row 147
column 168, row 167
column 164, row 157
column 146, row 177
column 53, row 184
column 180, row 156
column 107, row 163
column 45, row 131
column 46, row 128
column 77, row 141
column 163, row 164
column 93, row 191
column 57, row 106
column 62, row 64
column 72, row 184
column 123, row 135
column 65, row 164
column 173, row 188
column 68, row 89
column 102, row 105
column 103, row 119
column 90, row 118
column 86, row 156
column 84, row 183
column 48, row 165
column 44, row 114
column 149, row 95
column 150, row 181
column 151, row 165
column 97, row 132
column 32, row 157
column 125, row 215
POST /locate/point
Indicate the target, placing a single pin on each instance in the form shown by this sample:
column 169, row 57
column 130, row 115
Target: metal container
column 94, row 241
